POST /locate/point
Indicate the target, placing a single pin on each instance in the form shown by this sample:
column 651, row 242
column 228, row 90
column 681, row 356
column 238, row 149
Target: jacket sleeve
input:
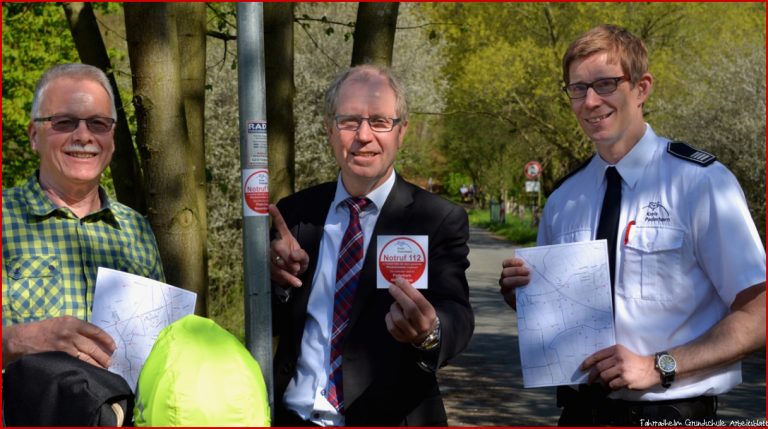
column 449, row 290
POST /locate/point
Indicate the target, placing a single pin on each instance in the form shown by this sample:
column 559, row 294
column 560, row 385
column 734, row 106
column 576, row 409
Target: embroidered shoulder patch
column 688, row 153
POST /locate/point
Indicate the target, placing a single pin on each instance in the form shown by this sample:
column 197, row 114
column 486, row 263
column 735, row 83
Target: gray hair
column 363, row 73
column 75, row 71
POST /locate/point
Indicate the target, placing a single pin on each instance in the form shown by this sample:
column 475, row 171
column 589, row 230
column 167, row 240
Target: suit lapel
column 309, row 233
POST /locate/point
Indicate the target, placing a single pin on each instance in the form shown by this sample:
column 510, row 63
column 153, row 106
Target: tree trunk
column 375, row 33
column 163, row 140
column 191, row 30
column 278, row 44
column 126, row 171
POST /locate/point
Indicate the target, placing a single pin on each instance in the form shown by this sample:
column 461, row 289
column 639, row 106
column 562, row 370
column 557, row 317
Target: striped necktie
column 347, row 277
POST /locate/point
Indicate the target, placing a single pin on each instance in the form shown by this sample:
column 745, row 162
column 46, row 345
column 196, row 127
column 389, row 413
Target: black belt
column 592, row 407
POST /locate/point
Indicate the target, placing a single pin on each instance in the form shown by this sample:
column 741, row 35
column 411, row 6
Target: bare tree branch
column 220, row 35
column 317, row 45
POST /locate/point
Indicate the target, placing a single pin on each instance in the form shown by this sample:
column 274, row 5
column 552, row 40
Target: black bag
column 56, row 389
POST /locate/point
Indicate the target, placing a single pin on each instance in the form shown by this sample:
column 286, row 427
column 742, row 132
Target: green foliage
column 223, row 17
column 35, row 37
column 454, row 182
column 515, row 229
column 718, row 101
column 505, row 106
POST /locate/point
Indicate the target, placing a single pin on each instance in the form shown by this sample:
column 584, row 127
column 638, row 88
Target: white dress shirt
column 687, row 246
column 306, row 392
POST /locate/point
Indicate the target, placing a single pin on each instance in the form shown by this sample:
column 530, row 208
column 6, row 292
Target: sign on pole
column 532, row 170
column 255, row 177
column 532, row 186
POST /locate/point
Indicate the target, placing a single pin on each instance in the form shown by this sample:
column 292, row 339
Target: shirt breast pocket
column 133, row 260
column 653, row 263
column 36, row 287
column 573, row 236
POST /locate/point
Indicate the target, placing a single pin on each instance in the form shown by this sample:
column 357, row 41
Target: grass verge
column 517, row 230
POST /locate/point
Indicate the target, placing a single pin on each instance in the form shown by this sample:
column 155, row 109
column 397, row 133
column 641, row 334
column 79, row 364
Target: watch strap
column 667, row 377
column 432, row 340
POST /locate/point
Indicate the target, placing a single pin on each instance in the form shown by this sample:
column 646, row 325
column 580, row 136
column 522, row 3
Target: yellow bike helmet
column 198, row 374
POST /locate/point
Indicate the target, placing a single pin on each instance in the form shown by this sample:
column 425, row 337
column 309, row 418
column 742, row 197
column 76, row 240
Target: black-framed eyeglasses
column 67, row 124
column 378, row 124
column 602, row 86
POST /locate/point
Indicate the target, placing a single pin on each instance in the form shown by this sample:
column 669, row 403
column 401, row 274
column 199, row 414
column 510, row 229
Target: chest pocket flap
column 653, row 262
column 24, row 268
column 650, row 239
column 35, row 290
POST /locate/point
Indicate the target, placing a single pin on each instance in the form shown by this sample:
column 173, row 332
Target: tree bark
column 191, row 29
column 278, row 46
column 126, row 170
column 164, row 143
column 375, row 33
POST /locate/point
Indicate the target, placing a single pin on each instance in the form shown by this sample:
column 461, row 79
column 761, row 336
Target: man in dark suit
column 349, row 353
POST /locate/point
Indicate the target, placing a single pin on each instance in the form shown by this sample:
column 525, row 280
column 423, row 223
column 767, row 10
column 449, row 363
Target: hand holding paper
column 411, row 317
column 133, row 310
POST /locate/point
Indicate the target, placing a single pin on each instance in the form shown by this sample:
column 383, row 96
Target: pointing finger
column 279, row 222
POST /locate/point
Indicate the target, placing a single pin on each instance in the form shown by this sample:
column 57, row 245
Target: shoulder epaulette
column 568, row 176
column 689, row 153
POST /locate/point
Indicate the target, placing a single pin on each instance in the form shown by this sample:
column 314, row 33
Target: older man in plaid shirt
column 60, row 226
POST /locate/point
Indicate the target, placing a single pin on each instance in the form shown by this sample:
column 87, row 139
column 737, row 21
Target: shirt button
column 323, row 392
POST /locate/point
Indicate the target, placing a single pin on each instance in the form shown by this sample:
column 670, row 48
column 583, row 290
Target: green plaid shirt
column 50, row 256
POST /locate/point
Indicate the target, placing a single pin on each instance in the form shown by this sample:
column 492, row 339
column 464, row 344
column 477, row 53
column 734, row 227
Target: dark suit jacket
column 383, row 384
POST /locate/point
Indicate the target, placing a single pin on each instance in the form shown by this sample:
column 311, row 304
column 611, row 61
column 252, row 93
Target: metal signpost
column 255, row 179
column 533, row 186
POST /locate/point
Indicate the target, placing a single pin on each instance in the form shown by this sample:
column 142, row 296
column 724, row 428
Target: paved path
column 483, row 386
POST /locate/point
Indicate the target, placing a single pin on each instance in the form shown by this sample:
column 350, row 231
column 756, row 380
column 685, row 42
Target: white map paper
column 133, row 310
column 565, row 313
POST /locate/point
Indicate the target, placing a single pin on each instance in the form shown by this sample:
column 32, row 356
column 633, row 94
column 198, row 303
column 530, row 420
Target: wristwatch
column 666, row 364
column 432, row 340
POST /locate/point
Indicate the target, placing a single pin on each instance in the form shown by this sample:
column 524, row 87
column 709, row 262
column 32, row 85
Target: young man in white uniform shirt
column 689, row 300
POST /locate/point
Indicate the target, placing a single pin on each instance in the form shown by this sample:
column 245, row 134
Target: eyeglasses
column 378, row 124
column 67, row 124
column 603, row 86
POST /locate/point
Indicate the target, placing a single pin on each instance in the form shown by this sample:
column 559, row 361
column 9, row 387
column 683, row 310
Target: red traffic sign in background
column 533, row 170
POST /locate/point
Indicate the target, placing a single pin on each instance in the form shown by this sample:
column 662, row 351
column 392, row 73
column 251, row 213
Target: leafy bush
column 518, row 230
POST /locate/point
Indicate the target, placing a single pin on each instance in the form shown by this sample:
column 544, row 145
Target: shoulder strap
column 684, row 151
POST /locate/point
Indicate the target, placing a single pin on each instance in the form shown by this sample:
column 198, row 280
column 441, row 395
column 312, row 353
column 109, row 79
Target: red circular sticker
column 402, row 257
column 256, row 191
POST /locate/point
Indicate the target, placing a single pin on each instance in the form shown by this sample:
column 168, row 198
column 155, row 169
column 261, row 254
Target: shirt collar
column 378, row 196
column 37, row 202
column 41, row 206
column 632, row 165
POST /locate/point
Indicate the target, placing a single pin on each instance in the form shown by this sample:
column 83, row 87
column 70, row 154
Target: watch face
column 667, row 363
